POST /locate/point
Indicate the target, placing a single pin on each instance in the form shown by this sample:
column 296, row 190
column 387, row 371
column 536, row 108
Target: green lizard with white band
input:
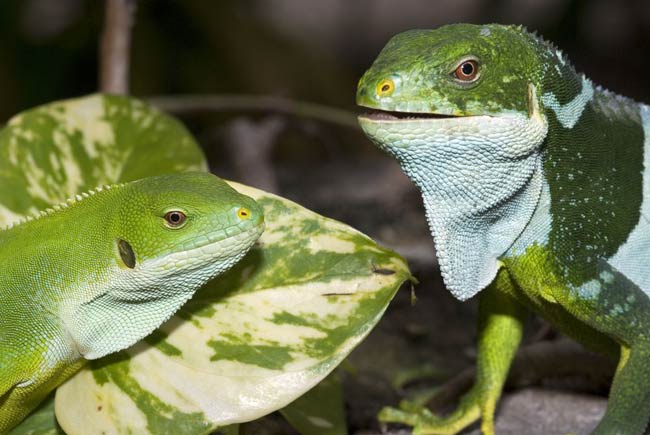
column 536, row 184
column 94, row 275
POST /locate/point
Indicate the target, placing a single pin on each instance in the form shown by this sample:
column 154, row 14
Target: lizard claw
column 423, row 421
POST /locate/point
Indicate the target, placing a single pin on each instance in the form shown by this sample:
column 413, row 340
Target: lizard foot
column 424, row 422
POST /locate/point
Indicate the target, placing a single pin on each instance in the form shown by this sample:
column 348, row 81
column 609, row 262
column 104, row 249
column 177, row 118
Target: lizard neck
column 469, row 243
column 479, row 195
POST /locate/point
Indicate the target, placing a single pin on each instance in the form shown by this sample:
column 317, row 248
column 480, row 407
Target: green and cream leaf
column 251, row 341
column 320, row 411
column 53, row 152
column 246, row 344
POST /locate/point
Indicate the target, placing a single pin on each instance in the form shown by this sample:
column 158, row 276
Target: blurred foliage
column 306, row 50
column 178, row 47
column 42, row 64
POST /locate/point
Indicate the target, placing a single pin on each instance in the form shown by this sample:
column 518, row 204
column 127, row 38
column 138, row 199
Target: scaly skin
column 536, row 185
column 94, row 275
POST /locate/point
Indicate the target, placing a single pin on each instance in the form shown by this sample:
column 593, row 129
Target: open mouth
column 389, row 115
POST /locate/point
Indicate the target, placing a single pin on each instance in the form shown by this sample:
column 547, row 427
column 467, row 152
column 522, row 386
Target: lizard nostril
column 243, row 213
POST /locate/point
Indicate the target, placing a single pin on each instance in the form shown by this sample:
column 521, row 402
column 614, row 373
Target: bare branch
column 115, row 46
column 193, row 104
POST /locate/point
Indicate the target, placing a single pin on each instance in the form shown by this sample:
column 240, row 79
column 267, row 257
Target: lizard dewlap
column 536, row 184
column 96, row 274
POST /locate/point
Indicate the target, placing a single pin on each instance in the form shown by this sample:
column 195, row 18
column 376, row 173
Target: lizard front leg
column 500, row 329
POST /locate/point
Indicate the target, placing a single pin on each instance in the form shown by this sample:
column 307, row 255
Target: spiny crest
column 549, row 46
column 62, row 206
column 553, row 50
column 616, row 103
column 556, row 52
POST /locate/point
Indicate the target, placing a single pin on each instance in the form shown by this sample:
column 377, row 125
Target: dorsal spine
column 63, row 205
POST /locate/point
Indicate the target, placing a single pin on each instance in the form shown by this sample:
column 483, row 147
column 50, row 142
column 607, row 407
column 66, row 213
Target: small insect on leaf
column 381, row 271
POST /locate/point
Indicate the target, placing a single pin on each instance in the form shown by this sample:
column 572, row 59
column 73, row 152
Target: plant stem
column 193, row 104
column 115, row 46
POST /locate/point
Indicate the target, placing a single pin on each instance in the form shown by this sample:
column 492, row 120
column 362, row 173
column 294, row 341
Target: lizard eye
column 174, row 218
column 467, row 71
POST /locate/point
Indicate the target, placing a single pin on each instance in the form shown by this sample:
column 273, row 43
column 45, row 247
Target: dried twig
column 194, row 104
column 115, row 46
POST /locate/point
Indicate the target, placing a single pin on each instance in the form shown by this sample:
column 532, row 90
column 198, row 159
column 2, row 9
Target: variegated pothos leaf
column 320, row 411
column 248, row 343
column 53, row 152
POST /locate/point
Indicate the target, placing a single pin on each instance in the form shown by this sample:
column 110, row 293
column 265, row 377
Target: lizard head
column 185, row 224
column 454, row 71
column 171, row 234
column 453, row 97
column 459, row 108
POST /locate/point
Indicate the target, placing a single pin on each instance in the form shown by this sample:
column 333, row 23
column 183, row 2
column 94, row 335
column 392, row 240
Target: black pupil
column 467, row 69
column 385, row 88
column 175, row 218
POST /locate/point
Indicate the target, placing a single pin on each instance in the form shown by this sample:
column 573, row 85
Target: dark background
column 315, row 51
column 306, row 49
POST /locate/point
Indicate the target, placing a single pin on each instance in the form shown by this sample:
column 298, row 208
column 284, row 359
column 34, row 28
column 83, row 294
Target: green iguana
column 96, row 274
column 536, row 184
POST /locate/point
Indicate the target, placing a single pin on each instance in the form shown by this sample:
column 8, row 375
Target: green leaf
column 53, row 152
column 248, row 343
column 251, row 341
column 320, row 411
column 40, row 422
